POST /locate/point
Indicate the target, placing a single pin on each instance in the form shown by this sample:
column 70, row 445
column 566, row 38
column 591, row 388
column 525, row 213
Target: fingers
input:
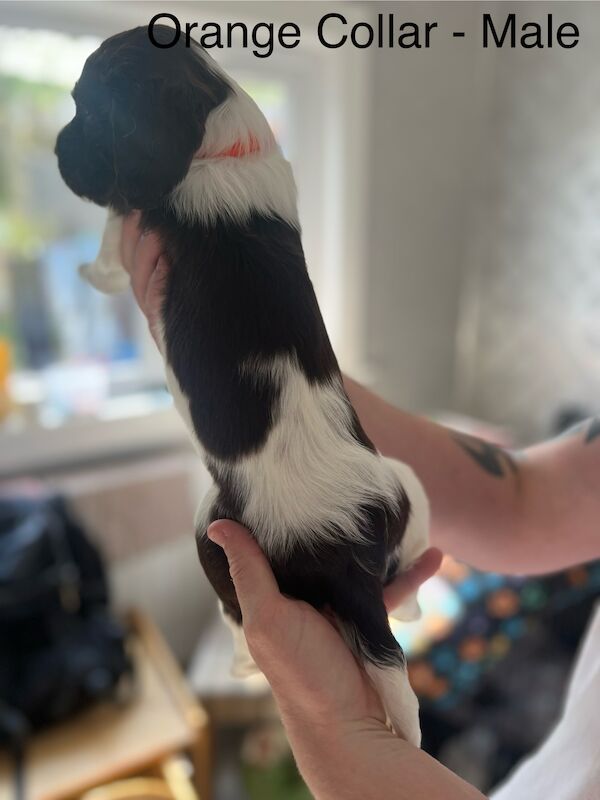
column 155, row 293
column 255, row 584
column 409, row 581
column 145, row 261
column 257, row 588
column 130, row 236
column 141, row 256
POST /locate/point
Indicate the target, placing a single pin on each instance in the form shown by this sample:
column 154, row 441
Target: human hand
column 142, row 257
column 298, row 649
column 314, row 676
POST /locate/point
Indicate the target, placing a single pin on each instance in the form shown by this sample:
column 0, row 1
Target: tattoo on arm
column 590, row 429
column 499, row 462
column 593, row 430
column 493, row 459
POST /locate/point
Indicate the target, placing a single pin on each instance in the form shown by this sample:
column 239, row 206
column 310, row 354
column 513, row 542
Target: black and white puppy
column 247, row 357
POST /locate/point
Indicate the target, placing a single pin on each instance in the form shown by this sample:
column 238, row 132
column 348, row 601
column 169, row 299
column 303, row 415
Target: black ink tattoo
column 593, row 430
column 490, row 457
column 590, row 429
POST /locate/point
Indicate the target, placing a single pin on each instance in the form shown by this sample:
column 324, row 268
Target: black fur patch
column 235, row 293
column 347, row 578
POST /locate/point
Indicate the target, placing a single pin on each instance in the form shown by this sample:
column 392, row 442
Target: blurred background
column 449, row 199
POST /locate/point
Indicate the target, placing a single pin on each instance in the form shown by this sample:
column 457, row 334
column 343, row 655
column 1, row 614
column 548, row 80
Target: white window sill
column 34, row 450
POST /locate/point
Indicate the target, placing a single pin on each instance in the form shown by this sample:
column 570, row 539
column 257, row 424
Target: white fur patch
column 202, row 519
column 309, row 480
column 311, row 477
column 237, row 120
column 218, row 187
column 416, row 536
column 243, row 665
column 234, row 188
column 399, row 700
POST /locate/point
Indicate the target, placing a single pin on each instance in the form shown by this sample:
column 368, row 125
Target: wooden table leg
column 202, row 758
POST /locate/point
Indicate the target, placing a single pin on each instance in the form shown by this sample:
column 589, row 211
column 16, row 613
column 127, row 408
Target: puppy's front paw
column 243, row 667
column 412, row 732
column 408, row 611
column 406, row 721
column 107, row 278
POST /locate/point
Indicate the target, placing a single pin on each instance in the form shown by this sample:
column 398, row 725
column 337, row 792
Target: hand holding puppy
column 334, row 718
column 247, row 357
column 311, row 670
column 313, row 674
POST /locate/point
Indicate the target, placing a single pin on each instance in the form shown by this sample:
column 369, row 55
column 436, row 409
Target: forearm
column 474, row 508
column 561, row 498
column 534, row 513
column 367, row 761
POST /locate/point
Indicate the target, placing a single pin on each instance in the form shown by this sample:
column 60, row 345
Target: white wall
column 530, row 343
column 429, row 116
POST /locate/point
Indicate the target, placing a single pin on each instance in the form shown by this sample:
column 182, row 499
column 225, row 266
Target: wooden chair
column 109, row 742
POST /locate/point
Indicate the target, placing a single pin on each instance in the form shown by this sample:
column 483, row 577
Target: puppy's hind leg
column 215, row 566
column 107, row 273
column 416, row 536
column 357, row 602
column 243, row 665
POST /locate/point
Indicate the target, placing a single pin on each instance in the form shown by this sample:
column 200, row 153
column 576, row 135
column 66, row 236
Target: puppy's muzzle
column 85, row 175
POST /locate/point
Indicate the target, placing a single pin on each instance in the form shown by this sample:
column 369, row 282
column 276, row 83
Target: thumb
column 255, row 585
column 406, row 583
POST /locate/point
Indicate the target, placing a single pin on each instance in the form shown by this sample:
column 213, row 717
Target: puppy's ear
column 157, row 120
column 154, row 137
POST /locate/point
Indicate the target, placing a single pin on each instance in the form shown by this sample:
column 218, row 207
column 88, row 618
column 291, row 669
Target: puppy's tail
column 365, row 629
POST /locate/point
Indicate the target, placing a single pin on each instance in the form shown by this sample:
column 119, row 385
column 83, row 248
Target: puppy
column 246, row 354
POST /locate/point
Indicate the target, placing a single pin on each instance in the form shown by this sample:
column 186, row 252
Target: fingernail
column 217, row 535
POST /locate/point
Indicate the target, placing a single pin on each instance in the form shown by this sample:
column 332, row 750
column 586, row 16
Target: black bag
column 60, row 649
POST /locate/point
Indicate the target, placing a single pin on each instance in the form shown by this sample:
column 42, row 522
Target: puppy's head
column 140, row 116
